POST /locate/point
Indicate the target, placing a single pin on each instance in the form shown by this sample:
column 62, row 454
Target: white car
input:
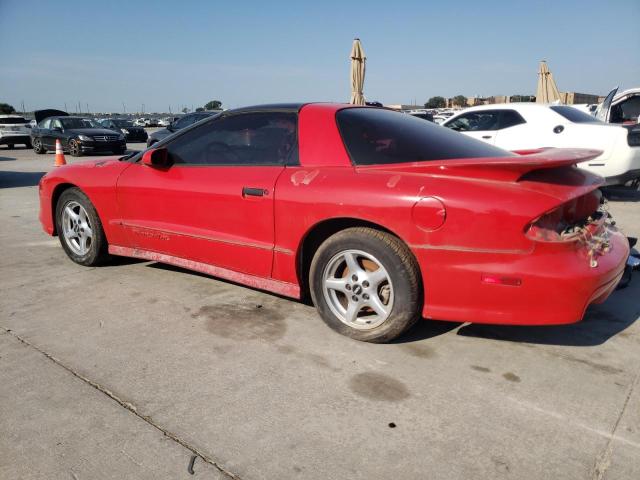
column 14, row 129
column 525, row 126
column 621, row 108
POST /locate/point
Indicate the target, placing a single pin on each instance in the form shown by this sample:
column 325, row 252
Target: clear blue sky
column 180, row 53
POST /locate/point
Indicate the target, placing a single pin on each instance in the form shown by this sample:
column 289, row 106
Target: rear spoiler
column 499, row 169
column 511, row 169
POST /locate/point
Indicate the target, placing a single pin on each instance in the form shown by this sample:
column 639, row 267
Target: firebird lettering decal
column 149, row 234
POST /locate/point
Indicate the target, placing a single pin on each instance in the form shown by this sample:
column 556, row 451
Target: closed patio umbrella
column 547, row 91
column 358, row 61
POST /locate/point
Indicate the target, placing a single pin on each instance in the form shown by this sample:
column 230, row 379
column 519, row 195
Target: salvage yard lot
column 129, row 370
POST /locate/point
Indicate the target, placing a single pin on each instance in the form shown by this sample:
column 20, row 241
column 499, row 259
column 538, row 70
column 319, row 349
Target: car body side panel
column 201, row 213
column 97, row 179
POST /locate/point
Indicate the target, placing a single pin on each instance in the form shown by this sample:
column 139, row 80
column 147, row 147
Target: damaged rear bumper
column 555, row 282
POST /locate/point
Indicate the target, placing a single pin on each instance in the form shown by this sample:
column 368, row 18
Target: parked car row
column 179, row 124
column 77, row 135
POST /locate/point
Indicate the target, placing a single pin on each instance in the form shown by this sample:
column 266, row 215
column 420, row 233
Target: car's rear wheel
column 37, row 146
column 366, row 284
column 75, row 149
column 11, row 146
column 79, row 229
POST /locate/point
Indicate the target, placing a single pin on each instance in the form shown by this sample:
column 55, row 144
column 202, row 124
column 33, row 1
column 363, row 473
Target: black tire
column 75, row 148
column 401, row 267
column 37, row 146
column 28, row 144
column 11, row 146
column 98, row 249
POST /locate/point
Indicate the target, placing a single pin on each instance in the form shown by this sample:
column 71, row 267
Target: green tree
column 185, row 110
column 6, row 108
column 199, row 109
column 436, row 102
column 460, row 100
column 213, row 105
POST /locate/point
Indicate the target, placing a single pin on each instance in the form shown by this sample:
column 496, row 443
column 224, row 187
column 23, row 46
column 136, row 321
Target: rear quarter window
column 573, row 114
column 375, row 136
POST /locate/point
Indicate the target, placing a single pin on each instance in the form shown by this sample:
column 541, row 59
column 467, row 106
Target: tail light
column 570, row 223
column 566, row 221
column 633, row 136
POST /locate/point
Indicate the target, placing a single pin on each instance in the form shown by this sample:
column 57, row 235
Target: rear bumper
column 11, row 139
column 557, row 283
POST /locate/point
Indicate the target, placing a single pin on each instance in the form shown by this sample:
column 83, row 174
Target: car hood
column 90, row 131
column 42, row 114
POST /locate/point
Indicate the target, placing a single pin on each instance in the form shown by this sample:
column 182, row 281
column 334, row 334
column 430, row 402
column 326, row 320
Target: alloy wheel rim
column 358, row 289
column 74, row 148
column 76, row 228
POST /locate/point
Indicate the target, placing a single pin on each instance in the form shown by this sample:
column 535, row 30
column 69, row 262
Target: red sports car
column 381, row 217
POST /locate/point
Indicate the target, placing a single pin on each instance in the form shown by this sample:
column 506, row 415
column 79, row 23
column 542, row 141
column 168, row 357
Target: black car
column 76, row 134
column 127, row 128
column 179, row 124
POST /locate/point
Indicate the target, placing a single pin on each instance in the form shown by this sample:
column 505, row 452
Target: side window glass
column 475, row 121
column 56, row 124
column 265, row 138
column 185, row 121
column 510, row 118
column 46, row 124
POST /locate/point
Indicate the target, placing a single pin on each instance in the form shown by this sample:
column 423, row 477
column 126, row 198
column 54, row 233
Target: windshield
column 70, row 123
column 12, row 120
column 573, row 114
column 376, row 136
column 123, row 123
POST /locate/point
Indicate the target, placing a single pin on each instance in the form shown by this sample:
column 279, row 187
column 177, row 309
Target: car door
column 513, row 133
column 215, row 203
column 43, row 132
column 56, row 132
column 480, row 124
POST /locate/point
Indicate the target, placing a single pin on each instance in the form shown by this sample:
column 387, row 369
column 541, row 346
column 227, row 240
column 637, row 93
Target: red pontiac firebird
column 381, row 217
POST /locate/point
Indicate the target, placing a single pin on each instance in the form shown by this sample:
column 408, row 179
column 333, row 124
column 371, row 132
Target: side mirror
column 156, row 157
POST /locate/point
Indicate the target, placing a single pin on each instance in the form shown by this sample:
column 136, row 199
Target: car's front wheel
column 79, row 229
column 365, row 284
column 75, row 148
column 38, row 147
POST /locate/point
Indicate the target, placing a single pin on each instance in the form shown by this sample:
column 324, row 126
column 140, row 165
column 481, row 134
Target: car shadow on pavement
column 600, row 323
column 425, row 329
column 7, row 159
column 20, row 179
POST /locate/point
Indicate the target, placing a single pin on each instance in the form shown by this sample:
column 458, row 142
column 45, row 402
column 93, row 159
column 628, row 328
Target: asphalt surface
column 138, row 370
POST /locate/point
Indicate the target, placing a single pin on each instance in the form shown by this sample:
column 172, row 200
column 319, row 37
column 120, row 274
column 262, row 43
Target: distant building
column 573, row 98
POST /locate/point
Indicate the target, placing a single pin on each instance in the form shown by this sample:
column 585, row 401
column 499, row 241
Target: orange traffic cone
column 59, row 155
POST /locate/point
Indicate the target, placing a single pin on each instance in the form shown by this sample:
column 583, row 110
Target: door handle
column 486, row 137
column 253, row 192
